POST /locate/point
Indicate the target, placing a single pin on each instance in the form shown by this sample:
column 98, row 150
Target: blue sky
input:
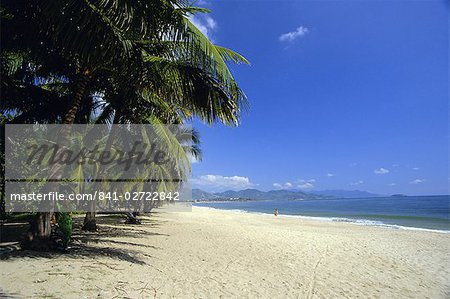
column 343, row 94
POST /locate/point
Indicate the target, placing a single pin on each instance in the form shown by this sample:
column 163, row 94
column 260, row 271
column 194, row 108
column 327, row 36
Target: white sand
column 214, row 254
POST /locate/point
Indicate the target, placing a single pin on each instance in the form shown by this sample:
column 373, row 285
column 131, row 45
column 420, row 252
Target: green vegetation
column 66, row 226
column 112, row 62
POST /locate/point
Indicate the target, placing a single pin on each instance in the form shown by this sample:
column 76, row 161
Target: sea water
column 410, row 212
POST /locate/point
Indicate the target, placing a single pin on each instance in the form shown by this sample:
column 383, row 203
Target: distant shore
column 360, row 222
column 427, row 213
column 210, row 253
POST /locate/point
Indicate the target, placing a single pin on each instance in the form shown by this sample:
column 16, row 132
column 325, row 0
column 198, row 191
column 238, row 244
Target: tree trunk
column 42, row 222
column 132, row 218
column 79, row 95
column 147, row 206
column 90, row 222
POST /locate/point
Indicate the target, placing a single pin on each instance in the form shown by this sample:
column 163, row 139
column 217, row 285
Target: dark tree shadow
column 8, row 295
column 12, row 232
column 78, row 252
column 110, row 231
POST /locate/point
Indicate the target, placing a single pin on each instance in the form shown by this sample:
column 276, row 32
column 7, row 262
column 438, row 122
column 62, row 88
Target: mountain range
column 254, row 194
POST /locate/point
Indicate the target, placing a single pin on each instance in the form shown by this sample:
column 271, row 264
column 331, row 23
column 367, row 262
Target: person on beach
column 275, row 212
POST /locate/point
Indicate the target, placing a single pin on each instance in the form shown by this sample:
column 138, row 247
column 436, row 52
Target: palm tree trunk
column 79, row 95
column 42, row 223
column 90, row 222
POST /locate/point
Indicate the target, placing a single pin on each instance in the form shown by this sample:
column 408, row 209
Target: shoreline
column 359, row 222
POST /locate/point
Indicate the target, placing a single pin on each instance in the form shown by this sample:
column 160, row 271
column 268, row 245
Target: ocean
column 410, row 212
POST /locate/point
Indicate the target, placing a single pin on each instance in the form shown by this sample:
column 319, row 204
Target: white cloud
column 416, row 168
column 192, row 159
column 306, row 184
column 210, row 22
column 330, row 174
column 293, row 35
column 200, row 25
column 219, row 182
column 417, row 181
column 392, row 184
column 381, row 170
column 205, row 24
column 301, row 184
column 357, row 183
column 286, row 185
column 307, row 181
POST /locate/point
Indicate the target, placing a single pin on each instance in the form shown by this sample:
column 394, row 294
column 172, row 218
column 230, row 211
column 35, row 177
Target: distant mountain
column 292, row 195
column 347, row 193
column 399, row 195
column 254, row 194
column 198, row 194
column 247, row 193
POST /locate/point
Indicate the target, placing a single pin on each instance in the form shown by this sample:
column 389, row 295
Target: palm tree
column 63, row 54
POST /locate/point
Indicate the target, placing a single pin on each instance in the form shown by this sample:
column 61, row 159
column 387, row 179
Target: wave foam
column 364, row 222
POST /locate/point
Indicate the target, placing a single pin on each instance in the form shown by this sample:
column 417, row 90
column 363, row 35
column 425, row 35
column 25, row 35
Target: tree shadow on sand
column 78, row 252
column 8, row 295
column 84, row 244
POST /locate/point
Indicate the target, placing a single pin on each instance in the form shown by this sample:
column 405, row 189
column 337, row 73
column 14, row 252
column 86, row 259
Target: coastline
column 212, row 253
column 361, row 222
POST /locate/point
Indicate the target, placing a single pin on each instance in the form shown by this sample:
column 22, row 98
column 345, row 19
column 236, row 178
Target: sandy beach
column 224, row 254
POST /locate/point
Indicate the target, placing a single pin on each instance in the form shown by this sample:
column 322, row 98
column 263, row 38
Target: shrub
column 65, row 225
